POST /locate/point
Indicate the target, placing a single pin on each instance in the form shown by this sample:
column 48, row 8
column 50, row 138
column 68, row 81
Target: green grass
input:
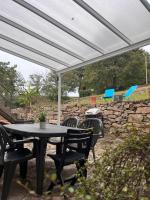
column 140, row 94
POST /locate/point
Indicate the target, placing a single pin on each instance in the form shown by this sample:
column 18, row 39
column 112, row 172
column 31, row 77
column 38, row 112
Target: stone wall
column 117, row 116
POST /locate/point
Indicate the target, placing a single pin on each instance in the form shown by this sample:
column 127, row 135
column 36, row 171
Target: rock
column 118, row 119
column 135, row 118
column 108, row 112
column 112, row 116
column 126, row 106
column 148, row 116
column 115, row 125
column 143, row 109
column 117, row 113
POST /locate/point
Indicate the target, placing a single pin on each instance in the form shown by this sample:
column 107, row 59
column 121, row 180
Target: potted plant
column 42, row 120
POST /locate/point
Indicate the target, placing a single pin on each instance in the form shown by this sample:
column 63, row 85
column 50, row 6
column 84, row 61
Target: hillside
column 141, row 93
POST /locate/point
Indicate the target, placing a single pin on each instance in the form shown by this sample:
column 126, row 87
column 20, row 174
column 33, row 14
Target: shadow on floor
column 20, row 191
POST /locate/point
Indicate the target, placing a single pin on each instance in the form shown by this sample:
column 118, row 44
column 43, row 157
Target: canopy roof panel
column 66, row 34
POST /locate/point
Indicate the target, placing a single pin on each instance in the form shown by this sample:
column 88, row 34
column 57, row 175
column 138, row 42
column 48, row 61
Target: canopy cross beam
column 146, row 4
column 33, row 50
column 58, row 24
column 39, row 37
column 102, row 20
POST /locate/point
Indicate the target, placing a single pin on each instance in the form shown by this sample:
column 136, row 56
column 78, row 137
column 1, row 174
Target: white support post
column 59, row 99
column 146, row 74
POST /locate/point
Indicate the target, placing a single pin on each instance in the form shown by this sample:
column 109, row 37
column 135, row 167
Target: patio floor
column 22, row 192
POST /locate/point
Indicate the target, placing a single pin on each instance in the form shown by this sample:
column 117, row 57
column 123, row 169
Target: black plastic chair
column 10, row 156
column 98, row 131
column 82, row 140
column 70, row 122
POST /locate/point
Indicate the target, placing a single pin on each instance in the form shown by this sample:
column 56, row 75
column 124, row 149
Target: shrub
column 85, row 93
column 121, row 174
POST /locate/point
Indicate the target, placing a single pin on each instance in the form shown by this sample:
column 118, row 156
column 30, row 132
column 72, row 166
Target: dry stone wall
column 118, row 117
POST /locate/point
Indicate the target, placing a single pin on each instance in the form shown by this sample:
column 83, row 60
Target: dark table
column 33, row 130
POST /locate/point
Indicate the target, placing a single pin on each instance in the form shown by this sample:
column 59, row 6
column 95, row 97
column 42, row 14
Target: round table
column 33, row 130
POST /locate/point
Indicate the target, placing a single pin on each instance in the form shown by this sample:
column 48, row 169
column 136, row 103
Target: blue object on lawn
column 109, row 93
column 130, row 90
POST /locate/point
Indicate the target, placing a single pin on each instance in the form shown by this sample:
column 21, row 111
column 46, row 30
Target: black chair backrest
column 97, row 126
column 80, row 139
column 71, row 122
column 4, row 141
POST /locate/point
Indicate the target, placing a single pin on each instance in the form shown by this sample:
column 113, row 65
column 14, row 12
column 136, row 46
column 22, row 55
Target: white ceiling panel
column 67, row 34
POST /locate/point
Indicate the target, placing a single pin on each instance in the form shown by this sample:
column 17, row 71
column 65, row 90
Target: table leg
column 40, row 164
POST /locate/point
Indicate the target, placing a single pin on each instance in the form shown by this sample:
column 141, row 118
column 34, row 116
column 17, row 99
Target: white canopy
column 66, row 34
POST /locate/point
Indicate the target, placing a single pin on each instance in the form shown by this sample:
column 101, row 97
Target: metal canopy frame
column 84, row 35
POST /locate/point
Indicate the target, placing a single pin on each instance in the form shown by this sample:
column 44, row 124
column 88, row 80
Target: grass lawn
column 140, row 94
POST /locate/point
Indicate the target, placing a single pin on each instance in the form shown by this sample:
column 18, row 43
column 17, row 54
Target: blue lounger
column 130, row 91
column 109, row 93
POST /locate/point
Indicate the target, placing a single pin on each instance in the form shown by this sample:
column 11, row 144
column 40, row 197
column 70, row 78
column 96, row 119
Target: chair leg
column 23, row 169
column 9, row 170
column 74, row 180
column 1, row 170
column 94, row 157
column 59, row 178
column 82, row 171
column 51, row 186
column 59, row 173
column 82, row 168
column 59, row 148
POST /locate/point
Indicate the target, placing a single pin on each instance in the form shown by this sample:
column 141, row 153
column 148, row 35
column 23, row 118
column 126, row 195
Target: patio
column 60, row 42
column 43, row 33
column 23, row 192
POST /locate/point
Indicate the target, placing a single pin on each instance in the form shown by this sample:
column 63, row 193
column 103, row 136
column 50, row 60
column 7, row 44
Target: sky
column 27, row 68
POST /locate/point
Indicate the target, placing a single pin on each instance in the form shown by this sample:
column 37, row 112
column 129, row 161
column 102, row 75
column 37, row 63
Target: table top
column 34, row 130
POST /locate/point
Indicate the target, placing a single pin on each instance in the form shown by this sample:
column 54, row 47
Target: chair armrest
column 27, row 140
column 55, row 140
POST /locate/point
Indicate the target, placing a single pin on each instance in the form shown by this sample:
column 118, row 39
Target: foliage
column 119, row 72
column 28, row 97
column 73, row 79
column 42, row 117
column 50, row 84
column 85, row 93
column 12, row 83
column 36, row 81
column 121, row 174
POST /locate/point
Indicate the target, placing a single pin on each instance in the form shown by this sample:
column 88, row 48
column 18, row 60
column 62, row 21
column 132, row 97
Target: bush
column 85, row 93
column 121, row 174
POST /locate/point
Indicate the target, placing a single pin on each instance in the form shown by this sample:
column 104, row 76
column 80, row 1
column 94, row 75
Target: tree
column 50, row 84
column 12, row 83
column 73, row 79
column 36, row 81
column 118, row 72
column 28, row 97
